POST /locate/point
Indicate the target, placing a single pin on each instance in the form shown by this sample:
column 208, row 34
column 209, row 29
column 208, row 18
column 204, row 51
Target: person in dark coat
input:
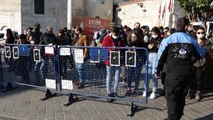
column 179, row 50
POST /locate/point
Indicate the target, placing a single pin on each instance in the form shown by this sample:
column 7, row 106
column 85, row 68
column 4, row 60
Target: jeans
column 136, row 72
column 80, row 70
column 117, row 70
column 40, row 69
column 151, row 71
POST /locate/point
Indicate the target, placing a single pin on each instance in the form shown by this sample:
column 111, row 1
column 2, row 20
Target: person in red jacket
column 113, row 40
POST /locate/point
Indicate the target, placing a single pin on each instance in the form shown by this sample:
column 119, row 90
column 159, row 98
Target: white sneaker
column 153, row 95
column 144, row 93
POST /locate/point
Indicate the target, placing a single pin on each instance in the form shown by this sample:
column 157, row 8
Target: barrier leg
column 132, row 110
column 48, row 95
column 71, row 99
column 9, row 87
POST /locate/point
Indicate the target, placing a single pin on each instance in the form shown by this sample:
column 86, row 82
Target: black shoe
column 134, row 93
column 109, row 99
column 81, row 86
column 128, row 93
column 162, row 93
column 114, row 94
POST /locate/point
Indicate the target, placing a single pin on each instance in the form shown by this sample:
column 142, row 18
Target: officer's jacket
column 179, row 51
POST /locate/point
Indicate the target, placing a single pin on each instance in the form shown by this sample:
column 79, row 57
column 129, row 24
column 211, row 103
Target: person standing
column 179, row 51
column 198, row 66
column 135, row 40
column 37, row 33
column 24, row 59
column 80, row 40
column 152, row 47
column 41, row 68
column 112, row 40
column 62, row 39
column 10, row 39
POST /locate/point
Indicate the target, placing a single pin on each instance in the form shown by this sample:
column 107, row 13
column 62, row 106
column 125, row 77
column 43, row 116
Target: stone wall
column 19, row 14
column 55, row 14
column 10, row 15
column 100, row 8
column 93, row 8
column 146, row 12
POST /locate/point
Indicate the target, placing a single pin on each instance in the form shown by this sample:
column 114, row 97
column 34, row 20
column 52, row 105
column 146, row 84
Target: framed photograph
column 36, row 55
column 114, row 58
column 7, row 52
column 130, row 58
column 15, row 52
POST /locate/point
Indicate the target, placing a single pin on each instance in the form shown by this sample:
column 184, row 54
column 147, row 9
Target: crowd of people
column 167, row 47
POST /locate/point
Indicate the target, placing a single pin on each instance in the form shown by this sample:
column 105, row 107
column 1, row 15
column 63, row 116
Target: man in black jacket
column 178, row 51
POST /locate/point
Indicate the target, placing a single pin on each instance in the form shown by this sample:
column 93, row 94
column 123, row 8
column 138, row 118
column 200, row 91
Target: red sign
column 90, row 25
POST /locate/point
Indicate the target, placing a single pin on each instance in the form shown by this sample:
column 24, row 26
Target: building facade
column 21, row 14
column 149, row 12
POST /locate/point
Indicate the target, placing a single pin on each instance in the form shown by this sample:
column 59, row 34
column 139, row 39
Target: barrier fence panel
column 29, row 65
column 104, row 72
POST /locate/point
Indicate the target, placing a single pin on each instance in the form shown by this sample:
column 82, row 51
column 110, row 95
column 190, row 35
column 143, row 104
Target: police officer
column 178, row 51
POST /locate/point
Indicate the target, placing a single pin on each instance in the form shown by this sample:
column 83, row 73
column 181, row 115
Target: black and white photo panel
column 114, row 58
column 15, row 52
column 130, row 58
column 7, row 52
column 36, row 55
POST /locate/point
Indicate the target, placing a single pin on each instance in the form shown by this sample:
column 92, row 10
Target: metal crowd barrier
column 77, row 71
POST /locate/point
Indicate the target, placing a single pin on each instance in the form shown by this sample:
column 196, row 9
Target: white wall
column 131, row 12
column 10, row 14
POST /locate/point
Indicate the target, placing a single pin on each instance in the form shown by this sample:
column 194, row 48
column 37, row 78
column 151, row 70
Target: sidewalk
column 24, row 104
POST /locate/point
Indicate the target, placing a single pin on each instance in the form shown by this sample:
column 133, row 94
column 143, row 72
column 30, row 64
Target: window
column 39, row 6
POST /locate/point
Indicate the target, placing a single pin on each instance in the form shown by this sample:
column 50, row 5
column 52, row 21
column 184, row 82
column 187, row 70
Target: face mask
column 200, row 35
column 133, row 39
column 114, row 37
column 154, row 36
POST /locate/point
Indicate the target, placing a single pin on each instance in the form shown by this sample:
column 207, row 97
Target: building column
column 69, row 14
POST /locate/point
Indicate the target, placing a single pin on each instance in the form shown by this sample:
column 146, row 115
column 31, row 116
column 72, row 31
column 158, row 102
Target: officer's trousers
column 176, row 87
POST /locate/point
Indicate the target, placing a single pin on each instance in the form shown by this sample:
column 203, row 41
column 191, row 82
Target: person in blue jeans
column 153, row 45
column 112, row 40
column 40, row 71
column 81, row 40
column 135, row 40
column 151, row 75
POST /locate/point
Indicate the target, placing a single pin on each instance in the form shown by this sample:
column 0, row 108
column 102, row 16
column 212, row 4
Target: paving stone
column 25, row 105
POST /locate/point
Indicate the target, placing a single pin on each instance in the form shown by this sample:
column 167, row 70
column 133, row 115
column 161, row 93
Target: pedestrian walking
column 179, row 51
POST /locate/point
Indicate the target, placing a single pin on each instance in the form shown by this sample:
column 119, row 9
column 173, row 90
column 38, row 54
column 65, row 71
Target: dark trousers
column 175, row 91
column 197, row 76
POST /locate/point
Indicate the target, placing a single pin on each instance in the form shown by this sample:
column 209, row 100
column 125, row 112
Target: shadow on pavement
column 208, row 117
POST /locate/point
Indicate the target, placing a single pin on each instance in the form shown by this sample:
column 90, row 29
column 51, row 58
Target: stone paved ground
column 24, row 104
